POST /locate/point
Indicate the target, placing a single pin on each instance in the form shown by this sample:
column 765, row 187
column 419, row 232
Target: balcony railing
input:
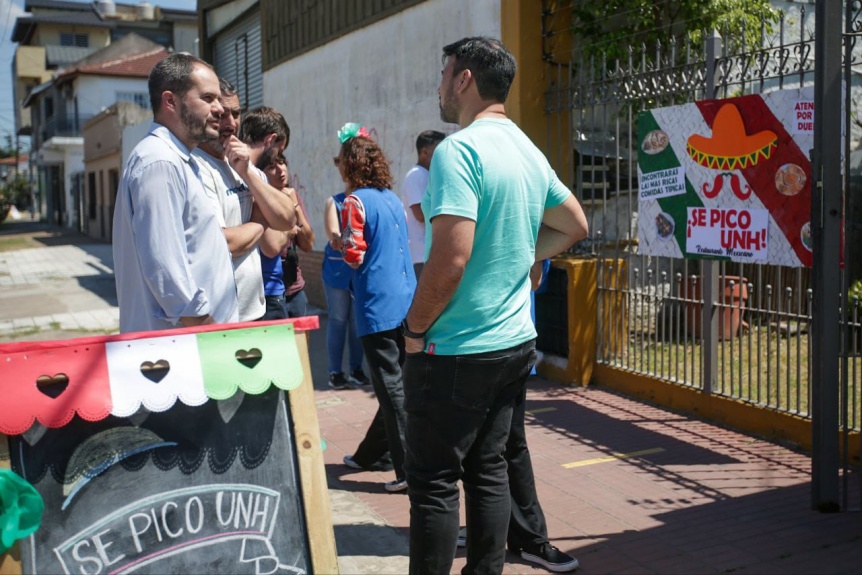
column 69, row 127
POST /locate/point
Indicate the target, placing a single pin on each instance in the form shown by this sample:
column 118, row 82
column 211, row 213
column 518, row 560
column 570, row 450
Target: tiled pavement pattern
column 66, row 283
column 698, row 498
column 626, row 487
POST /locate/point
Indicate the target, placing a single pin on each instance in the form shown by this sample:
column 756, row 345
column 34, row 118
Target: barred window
column 142, row 99
column 73, row 39
column 291, row 27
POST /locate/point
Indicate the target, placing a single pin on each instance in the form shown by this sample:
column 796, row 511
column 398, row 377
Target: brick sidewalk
column 630, row 488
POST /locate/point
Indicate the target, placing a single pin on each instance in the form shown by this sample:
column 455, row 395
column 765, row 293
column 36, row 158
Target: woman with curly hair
column 374, row 243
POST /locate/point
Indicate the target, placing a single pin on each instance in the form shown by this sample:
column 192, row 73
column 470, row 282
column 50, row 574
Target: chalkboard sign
column 218, row 486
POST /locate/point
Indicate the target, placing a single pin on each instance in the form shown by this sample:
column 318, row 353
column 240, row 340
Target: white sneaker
column 396, row 485
column 349, row 462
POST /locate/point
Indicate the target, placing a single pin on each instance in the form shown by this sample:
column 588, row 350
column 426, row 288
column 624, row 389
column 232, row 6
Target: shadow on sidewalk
column 768, row 532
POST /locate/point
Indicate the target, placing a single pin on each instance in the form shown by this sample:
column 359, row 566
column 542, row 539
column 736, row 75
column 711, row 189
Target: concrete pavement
column 626, row 487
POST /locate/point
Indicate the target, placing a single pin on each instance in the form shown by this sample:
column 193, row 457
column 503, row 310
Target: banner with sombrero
column 728, row 179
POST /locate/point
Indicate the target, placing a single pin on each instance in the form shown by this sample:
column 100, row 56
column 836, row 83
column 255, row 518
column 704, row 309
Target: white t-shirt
column 412, row 191
column 233, row 201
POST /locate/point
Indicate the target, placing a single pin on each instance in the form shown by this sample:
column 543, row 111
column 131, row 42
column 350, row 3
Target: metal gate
column 743, row 331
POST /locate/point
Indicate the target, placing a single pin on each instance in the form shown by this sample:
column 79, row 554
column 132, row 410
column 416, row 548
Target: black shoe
column 382, row 465
column 358, row 377
column 337, row 381
column 462, row 537
column 550, row 558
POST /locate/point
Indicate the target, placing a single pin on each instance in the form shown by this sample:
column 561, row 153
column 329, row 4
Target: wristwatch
column 411, row 334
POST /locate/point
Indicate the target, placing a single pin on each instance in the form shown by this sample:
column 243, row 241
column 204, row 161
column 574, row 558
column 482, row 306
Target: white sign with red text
column 803, row 117
column 737, row 233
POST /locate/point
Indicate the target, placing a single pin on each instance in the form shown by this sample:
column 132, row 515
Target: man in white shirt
column 246, row 204
column 171, row 261
column 412, row 191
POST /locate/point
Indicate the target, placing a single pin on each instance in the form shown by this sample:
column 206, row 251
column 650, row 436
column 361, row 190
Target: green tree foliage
column 609, row 27
column 16, row 190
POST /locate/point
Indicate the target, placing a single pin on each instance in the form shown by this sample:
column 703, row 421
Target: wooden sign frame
column 310, row 468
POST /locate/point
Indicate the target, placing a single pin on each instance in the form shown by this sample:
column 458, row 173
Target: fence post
column 826, row 205
column 709, row 268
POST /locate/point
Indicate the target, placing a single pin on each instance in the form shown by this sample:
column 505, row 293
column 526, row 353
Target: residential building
column 103, row 164
column 55, row 36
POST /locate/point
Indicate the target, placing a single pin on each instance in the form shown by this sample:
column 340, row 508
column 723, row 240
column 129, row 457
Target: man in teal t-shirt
column 495, row 207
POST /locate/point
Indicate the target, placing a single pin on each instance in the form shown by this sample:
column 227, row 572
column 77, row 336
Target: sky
column 10, row 10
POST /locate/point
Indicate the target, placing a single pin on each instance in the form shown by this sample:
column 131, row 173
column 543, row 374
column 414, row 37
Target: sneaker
column 396, row 485
column 550, row 558
column 358, row 377
column 380, row 465
column 349, row 462
column 462, row 537
column 337, row 381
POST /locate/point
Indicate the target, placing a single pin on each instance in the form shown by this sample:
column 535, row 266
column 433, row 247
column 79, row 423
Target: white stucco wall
column 95, row 93
column 384, row 76
column 132, row 136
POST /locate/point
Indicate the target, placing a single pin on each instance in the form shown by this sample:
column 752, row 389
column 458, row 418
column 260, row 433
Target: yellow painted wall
column 30, row 62
column 521, row 31
column 49, row 34
column 584, row 304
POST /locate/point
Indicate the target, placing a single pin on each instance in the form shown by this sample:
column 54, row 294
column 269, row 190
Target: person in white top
column 172, row 264
column 412, row 191
column 245, row 202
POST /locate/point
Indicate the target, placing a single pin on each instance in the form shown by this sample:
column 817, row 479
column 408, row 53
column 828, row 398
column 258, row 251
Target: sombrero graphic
column 730, row 148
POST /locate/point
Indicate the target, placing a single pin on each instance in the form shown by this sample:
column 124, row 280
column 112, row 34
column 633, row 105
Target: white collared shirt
column 233, row 201
column 171, row 259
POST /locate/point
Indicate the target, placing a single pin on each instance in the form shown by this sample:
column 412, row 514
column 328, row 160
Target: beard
column 449, row 111
column 198, row 128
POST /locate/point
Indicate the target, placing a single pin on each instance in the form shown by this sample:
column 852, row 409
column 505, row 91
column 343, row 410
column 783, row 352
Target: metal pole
column 826, row 205
column 709, row 268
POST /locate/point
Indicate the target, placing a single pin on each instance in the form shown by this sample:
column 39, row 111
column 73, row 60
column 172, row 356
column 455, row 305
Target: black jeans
column 527, row 526
column 384, row 352
column 459, row 411
column 373, row 450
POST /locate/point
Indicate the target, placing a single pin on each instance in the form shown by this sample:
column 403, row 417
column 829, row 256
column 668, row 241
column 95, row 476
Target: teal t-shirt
column 490, row 172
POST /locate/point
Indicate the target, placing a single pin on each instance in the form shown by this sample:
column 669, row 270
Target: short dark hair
column 261, row 122
column 428, row 138
column 491, row 64
column 173, row 74
column 226, row 88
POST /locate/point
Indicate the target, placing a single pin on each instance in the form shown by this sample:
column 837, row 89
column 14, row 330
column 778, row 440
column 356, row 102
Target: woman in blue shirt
column 340, row 325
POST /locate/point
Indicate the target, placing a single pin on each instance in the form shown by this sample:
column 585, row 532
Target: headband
column 352, row 130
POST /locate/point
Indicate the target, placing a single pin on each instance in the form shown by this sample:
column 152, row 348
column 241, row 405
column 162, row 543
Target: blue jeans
column 281, row 307
column 459, row 411
column 341, row 326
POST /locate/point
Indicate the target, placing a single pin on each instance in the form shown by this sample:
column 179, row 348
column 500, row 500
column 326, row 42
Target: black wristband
column 411, row 334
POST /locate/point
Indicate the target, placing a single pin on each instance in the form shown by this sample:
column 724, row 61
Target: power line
column 6, row 21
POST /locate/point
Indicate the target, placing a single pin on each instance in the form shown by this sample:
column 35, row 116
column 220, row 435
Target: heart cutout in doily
column 249, row 358
column 52, row 385
column 157, row 371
